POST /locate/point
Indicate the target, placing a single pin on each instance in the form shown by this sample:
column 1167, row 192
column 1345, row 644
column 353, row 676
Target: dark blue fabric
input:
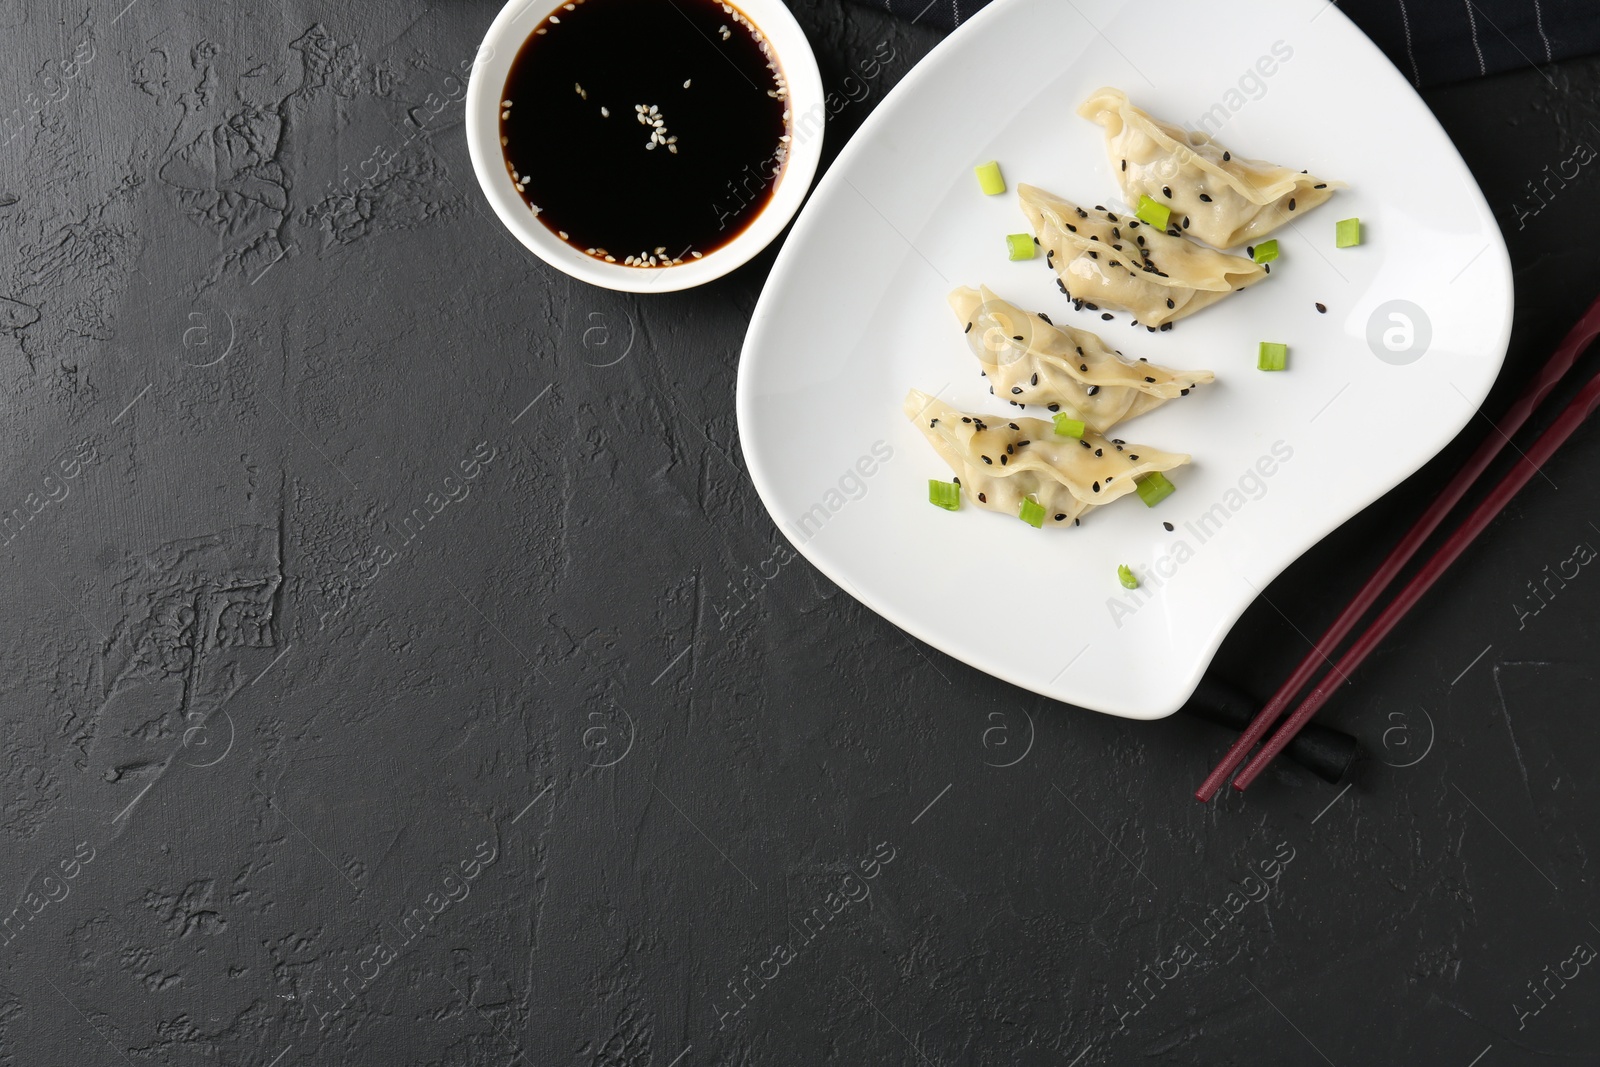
column 1430, row 41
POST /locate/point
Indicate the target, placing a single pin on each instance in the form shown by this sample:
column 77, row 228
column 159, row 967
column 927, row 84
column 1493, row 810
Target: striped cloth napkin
column 1431, row 41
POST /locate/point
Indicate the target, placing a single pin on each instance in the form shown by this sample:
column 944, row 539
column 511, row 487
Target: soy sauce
column 646, row 132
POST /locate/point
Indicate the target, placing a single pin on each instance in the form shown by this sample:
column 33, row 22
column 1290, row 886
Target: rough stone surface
column 400, row 669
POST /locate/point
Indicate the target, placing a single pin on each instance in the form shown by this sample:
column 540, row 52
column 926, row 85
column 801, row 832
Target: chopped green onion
column 1157, row 215
column 1266, row 251
column 1032, row 513
column 945, row 495
column 1272, row 356
column 1153, row 488
column 1347, row 233
column 1021, row 245
column 1067, row 426
column 990, row 179
column 1126, row 576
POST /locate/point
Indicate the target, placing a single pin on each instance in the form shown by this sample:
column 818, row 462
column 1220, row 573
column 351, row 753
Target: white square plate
column 854, row 314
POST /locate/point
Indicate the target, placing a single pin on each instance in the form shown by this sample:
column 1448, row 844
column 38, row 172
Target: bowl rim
column 506, row 36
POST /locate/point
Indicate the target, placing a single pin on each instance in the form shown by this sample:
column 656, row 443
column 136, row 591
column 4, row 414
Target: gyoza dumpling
column 1002, row 461
column 1223, row 199
column 1107, row 260
column 1028, row 360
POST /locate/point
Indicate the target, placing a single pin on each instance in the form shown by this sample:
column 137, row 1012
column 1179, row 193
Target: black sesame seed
column 1250, row 250
column 1021, row 444
column 1183, row 392
column 965, row 419
column 1097, row 487
column 987, row 460
column 1093, row 254
column 1084, row 367
column 1036, row 241
column 1015, row 389
column 1133, row 457
column 1226, row 156
column 1091, row 307
column 968, row 329
column 1165, row 326
column 1084, row 443
column 1077, row 522
column 1150, row 380
column 1082, row 214
column 1135, row 322
column 1291, row 203
column 1013, row 425
column 1092, row 390
column 1054, row 407
column 1267, row 267
column 1112, row 217
column 1071, row 228
column 1105, row 316
column 1045, row 317
column 1035, row 380
column 956, row 480
column 1002, row 461
column 1166, row 192
column 1167, row 526
column 1322, row 309
column 1152, row 329
column 933, row 423
column 1124, row 164
column 1099, row 452
column 1119, row 448
column 982, row 499
column 1060, row 518
column 1204, row 199
column 1324, row 185
column 1170, row 304
column 1099, row 207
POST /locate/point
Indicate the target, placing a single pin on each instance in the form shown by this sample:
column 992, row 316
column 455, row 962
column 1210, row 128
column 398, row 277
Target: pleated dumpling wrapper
column 1223, row 199
column 1003, row 461
column 1116, row 261
column 1029, row 360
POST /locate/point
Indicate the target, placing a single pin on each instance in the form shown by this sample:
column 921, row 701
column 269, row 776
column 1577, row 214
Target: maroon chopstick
column 1527, row 466
column 1560, row 363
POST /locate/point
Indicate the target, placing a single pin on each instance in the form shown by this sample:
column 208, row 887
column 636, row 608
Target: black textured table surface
column 400, row 669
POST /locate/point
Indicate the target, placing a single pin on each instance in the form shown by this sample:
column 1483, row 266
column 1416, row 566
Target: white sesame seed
column 563, row 234
column 504, row 141
column 505, row 103
column 650, row 145
column 605, row 112
column 555, row 20
column 505, row 114
column 672, row 148
column 696, row 255
column 686, row 82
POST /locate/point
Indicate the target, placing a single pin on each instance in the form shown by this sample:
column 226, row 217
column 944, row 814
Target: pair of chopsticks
column 1578, row 339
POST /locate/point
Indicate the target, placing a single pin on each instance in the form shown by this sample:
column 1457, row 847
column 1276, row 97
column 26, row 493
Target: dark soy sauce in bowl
column 645, row 132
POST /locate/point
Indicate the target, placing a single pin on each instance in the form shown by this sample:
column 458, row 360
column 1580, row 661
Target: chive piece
column 1032, row 513
column 1153, row 488
column 1067, row 426
column 1266, row 251
column 1126, row 576
column 1347, row 233
column 945, row 495
column 1272, row 356
column 1021, row 246
column 1155, row 214
column 990, row 179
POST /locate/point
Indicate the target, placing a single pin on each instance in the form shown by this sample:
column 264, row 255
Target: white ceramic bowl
column 506, row 35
